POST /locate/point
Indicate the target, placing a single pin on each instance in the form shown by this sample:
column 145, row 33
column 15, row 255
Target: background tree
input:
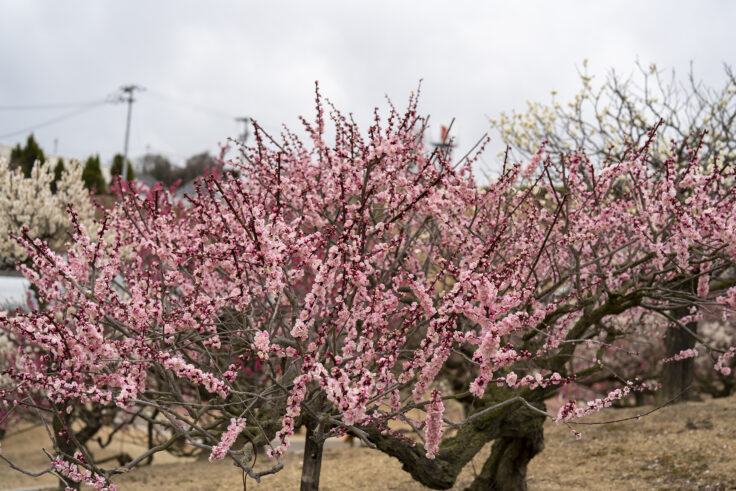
column 162, row 170
column 116, row 169
column 31, row 202
column 26, row 157
column 92, row 175
column 606, row 120
column 159, row 168
column 196, row 166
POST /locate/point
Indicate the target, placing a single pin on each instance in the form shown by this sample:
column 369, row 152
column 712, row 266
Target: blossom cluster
column 71, row 471
column 433, row 430
column 723, row 361
column 197, row 376
column 572, row 410
column 682, row 355
column 236, row 426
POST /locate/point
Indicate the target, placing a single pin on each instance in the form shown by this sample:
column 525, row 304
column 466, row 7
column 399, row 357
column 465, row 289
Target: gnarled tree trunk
column 678, row 375
column 312, row 464
column 64, row 445
column 505, row 469
column 519, row 437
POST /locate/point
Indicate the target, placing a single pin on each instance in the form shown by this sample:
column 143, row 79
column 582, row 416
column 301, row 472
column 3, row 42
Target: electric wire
column 181, row 102
column 82, row 107
column 39, row 107
column 62, row 117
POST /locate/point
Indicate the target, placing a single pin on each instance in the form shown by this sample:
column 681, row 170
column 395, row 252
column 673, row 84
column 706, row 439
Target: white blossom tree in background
column 618, row 114
column 30, row 203
column 607, row 119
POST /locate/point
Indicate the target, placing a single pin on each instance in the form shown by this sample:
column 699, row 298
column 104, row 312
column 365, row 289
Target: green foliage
column 92, row 175
column 26, row 157
column 117, row 167
column 58, row 170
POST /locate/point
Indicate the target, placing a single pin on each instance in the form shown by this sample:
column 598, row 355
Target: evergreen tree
column 92, row 175
column 26, row 157
column 117, row 167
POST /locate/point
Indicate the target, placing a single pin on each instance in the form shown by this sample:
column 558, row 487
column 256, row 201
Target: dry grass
column 688, row 446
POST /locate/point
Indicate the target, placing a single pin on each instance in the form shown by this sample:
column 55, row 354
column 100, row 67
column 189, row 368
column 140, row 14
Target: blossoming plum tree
column 36, row 202
column 606, row 119
column 334, row 286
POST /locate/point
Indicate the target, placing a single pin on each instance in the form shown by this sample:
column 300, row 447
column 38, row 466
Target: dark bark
column 512, row 422
column 151, row 444
column 678, row 376
column 92, row 425
column 65, row 446
column 64, row 442
column 506, row 467
column 724, row 385
column 312, row 465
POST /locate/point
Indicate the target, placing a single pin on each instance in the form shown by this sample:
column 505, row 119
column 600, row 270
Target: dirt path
column 688, row 446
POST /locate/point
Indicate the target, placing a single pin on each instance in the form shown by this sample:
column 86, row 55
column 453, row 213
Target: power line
column 126, row 97
column 191, row 105
column 34, row 107
column 53, row 120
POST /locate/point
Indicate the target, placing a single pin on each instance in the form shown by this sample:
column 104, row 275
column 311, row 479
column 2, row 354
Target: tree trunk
column 64, row 445
column 678, row 376
column 518, row 435
column 505, row 469
column 313, row 446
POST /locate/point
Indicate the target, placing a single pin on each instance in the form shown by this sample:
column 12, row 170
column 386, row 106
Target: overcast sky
column 204, row 63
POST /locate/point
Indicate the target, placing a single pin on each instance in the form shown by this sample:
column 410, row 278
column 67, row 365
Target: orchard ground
column 687, row 446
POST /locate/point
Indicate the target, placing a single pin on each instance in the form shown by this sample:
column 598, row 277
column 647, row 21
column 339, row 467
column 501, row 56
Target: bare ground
column 687, row 446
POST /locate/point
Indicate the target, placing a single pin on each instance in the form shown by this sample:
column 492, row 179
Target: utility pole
column 127, row 96
column 246, row 130
column 445, row 145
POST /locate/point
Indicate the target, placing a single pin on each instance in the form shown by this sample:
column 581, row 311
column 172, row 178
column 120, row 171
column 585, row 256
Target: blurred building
column 5, row 151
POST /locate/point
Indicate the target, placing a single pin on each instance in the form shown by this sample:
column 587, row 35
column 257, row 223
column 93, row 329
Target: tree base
column 312, row 464
column 506, row 467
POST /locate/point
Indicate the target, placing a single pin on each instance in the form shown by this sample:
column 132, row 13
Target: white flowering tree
column 604, row 120
column 30, row 204
column 607, row 119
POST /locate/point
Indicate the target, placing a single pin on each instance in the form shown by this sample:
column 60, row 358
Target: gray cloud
column 204, row 63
